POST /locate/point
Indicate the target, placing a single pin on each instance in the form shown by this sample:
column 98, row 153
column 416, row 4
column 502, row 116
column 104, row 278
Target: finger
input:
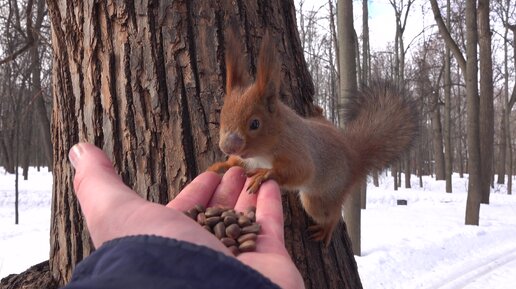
column 229, row 189
column 97, row 186
column 246, row 200
column 199, row 191
column 269, row 211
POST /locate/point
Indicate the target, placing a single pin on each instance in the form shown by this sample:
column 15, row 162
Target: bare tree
column 470, row 67
column 348, row 89
column 401, row 12
column 486, row 110
column 448, row 152
column 504, row 11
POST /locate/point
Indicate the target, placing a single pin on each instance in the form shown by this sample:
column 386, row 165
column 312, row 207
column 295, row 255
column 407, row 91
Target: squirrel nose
column 232, row 144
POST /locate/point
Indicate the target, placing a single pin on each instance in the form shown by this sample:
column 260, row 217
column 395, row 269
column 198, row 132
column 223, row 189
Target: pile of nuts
column 236, row 230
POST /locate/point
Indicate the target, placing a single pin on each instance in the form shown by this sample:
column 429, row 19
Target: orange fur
column 309, row 154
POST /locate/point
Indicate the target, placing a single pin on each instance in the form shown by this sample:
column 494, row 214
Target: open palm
column 112, row 210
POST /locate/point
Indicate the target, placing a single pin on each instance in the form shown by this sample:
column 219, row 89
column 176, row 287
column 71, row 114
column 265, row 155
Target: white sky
column 381, row 20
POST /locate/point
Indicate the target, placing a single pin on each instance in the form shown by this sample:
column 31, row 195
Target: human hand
column 113, row 210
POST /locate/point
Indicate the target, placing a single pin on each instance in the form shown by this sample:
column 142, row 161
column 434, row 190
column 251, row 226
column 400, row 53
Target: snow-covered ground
column 426, row 244
column 27, row 243
column 421, row 245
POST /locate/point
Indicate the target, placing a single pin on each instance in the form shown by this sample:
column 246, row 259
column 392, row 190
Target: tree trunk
column 37, row 276
column 460, row 146
column 448, row 151
column 394, row 174
column 437, row 137
column 503, row 146
column 509, row 103
column 486, row 116
column 408, row 171
column 474, row 160
column 348, row 89
column 40, row 110
column 470, row 68
column 366, row 57
column 144, row 81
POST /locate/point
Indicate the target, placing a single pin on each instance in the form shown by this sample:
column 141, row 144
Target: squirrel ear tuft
column 236, row 74
column 268, row 74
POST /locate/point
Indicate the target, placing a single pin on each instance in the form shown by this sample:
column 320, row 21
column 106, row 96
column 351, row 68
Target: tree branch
column 30, row 35
column 13, row 56
column 445, row 33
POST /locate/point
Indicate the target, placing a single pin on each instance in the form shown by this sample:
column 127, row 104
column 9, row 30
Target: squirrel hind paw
column 320, row 233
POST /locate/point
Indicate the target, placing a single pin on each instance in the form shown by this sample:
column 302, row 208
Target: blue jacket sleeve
column 154, row 262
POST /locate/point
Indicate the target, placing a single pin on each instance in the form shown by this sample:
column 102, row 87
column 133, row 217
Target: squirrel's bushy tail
column 382, row 124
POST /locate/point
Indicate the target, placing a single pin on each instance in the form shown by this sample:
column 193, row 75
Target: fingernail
column 75, row 155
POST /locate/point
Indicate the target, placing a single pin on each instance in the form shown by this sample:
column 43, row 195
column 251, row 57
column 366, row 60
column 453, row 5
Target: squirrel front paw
column 220, row 167
column 257, row 178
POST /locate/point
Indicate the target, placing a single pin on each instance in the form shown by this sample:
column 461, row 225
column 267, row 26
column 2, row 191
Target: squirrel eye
column 255, row 124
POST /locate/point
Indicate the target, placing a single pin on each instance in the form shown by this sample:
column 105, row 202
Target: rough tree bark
column 144, row 81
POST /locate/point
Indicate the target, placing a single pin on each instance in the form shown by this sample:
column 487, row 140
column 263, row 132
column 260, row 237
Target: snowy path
column 426, row 245
column 481, row 274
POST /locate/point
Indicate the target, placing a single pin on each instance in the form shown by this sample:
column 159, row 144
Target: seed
column 213, row 211
column 247, row 237
column 228, row 242
column 244, row 221
column 192, row 213
column 219, row 230
column 234, row 250
column 229, row 213
column 201, row 219
column 228, row 220
column 253, row 228
column 247, row 246
column 233, row 231
column 252, row 216
column 236, row 230
column 212, row 221
column 200, row 208
column 188, row 214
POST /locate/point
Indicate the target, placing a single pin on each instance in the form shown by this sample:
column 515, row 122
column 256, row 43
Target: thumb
column 97, row 186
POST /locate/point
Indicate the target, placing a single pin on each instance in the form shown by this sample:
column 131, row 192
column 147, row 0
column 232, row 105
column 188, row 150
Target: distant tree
column 448, row 151
column 348, row 89
column 437, row 131
column 24, row 27
column 469, row 66
column 474, row 158
column 504, row 10
column 509, row 103
column 401, row 12
column 486, row 116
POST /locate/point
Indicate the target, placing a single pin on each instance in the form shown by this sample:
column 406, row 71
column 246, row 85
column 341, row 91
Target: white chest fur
column 258, row 162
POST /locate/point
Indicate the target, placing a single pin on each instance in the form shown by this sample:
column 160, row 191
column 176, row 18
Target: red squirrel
column 324, row 163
